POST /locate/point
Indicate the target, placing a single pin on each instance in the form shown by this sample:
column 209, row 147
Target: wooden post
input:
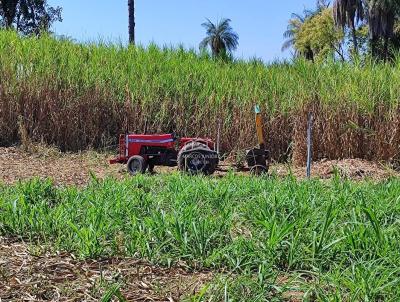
column 309, row 143
column 259, row 127
column 218, row 136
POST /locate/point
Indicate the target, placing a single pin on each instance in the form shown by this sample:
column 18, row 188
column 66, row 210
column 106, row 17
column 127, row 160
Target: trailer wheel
column 137, row 165
column 196, row 158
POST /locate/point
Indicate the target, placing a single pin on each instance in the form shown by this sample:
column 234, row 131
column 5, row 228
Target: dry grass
column 29, row 274
column 82, row 96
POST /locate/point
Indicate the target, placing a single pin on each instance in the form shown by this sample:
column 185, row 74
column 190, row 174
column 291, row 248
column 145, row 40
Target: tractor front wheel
column 137, row 165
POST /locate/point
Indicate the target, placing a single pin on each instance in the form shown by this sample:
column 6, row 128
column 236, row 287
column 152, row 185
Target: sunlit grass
column 341, row 237
column 176, row 75
column 79, row 96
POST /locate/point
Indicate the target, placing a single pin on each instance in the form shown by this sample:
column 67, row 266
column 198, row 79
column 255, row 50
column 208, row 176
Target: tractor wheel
column 137, row 165
column 259, row 170
column 195, row 158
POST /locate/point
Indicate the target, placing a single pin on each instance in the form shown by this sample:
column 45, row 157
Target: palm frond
column 298, row 17
column 287, row 44
column 294, row 25
column 205, row 42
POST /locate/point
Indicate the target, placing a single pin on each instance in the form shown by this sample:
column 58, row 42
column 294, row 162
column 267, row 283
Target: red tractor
column 141, row 152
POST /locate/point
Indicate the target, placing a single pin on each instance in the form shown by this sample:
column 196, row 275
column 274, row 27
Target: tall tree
column 221, row 38
column 294, row 25
column 28, row 16
column 296, row 22
column 320, row 36
column 8, row 11
column 347, row 13
column 131, row 8
column 381, row 20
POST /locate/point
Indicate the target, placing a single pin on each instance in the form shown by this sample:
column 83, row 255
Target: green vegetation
column 190, row 80
column 265, row 238
column 94, row 92
column 363, row 28
column 28, row 17
column 197, row 80
column 331, row 240
column 221, row 38
column 320, row 35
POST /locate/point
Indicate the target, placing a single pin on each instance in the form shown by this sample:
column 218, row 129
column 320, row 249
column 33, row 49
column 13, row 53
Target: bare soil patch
column 64, row 168
column 30, row 275
column 77, row 168
column 355, row 169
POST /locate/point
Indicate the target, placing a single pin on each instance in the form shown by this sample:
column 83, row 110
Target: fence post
column 309, row 143
column 218, row 135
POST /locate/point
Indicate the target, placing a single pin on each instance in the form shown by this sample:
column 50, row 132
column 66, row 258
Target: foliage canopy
column 28, row 17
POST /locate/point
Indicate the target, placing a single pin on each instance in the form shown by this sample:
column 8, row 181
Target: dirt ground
column 64, row 168
column 355, row 169
column 76, row 168
column 30, row 275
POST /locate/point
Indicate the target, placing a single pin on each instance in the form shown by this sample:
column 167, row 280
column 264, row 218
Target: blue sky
column 259, row 23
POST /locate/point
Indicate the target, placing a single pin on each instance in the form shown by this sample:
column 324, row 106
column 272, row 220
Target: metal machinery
column 141, row 152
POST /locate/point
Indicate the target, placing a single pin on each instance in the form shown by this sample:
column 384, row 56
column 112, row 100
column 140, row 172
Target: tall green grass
column 174, row 74
column 78, row 96
column 335, row 240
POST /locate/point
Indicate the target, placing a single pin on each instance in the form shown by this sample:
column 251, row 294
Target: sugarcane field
column 199, row 151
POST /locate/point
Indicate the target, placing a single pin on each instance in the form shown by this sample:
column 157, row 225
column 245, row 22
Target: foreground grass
column 339, row 240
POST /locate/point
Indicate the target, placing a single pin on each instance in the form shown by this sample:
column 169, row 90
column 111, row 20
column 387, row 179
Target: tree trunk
column 131, row 8
column 374, row 47
column 9, row 22
column 9, row 9
column 386, row 49
column 355, row 42
column 309, row 54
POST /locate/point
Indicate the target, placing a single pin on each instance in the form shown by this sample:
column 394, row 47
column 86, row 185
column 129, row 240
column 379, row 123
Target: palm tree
column 131, row 9
column 322, row 5
column 349, row 13
column 381, row 19
column 297, row 21
column 221, row 38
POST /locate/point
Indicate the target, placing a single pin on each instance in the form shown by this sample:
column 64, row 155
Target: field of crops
column 79, row 96
column 263, row 238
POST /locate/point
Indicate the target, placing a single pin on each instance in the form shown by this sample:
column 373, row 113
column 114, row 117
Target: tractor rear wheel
column 197, row 158
column 137, row 165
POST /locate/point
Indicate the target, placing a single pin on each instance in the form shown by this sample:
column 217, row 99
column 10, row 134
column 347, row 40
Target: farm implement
column 142, row 152
column 256, row 157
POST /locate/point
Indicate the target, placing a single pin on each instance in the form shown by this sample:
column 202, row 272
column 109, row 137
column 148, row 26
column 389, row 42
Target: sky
column 259, row 23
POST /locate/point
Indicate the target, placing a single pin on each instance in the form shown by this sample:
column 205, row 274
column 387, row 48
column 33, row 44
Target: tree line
column 342, row 29
column 346, row 29
column 29, row 17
